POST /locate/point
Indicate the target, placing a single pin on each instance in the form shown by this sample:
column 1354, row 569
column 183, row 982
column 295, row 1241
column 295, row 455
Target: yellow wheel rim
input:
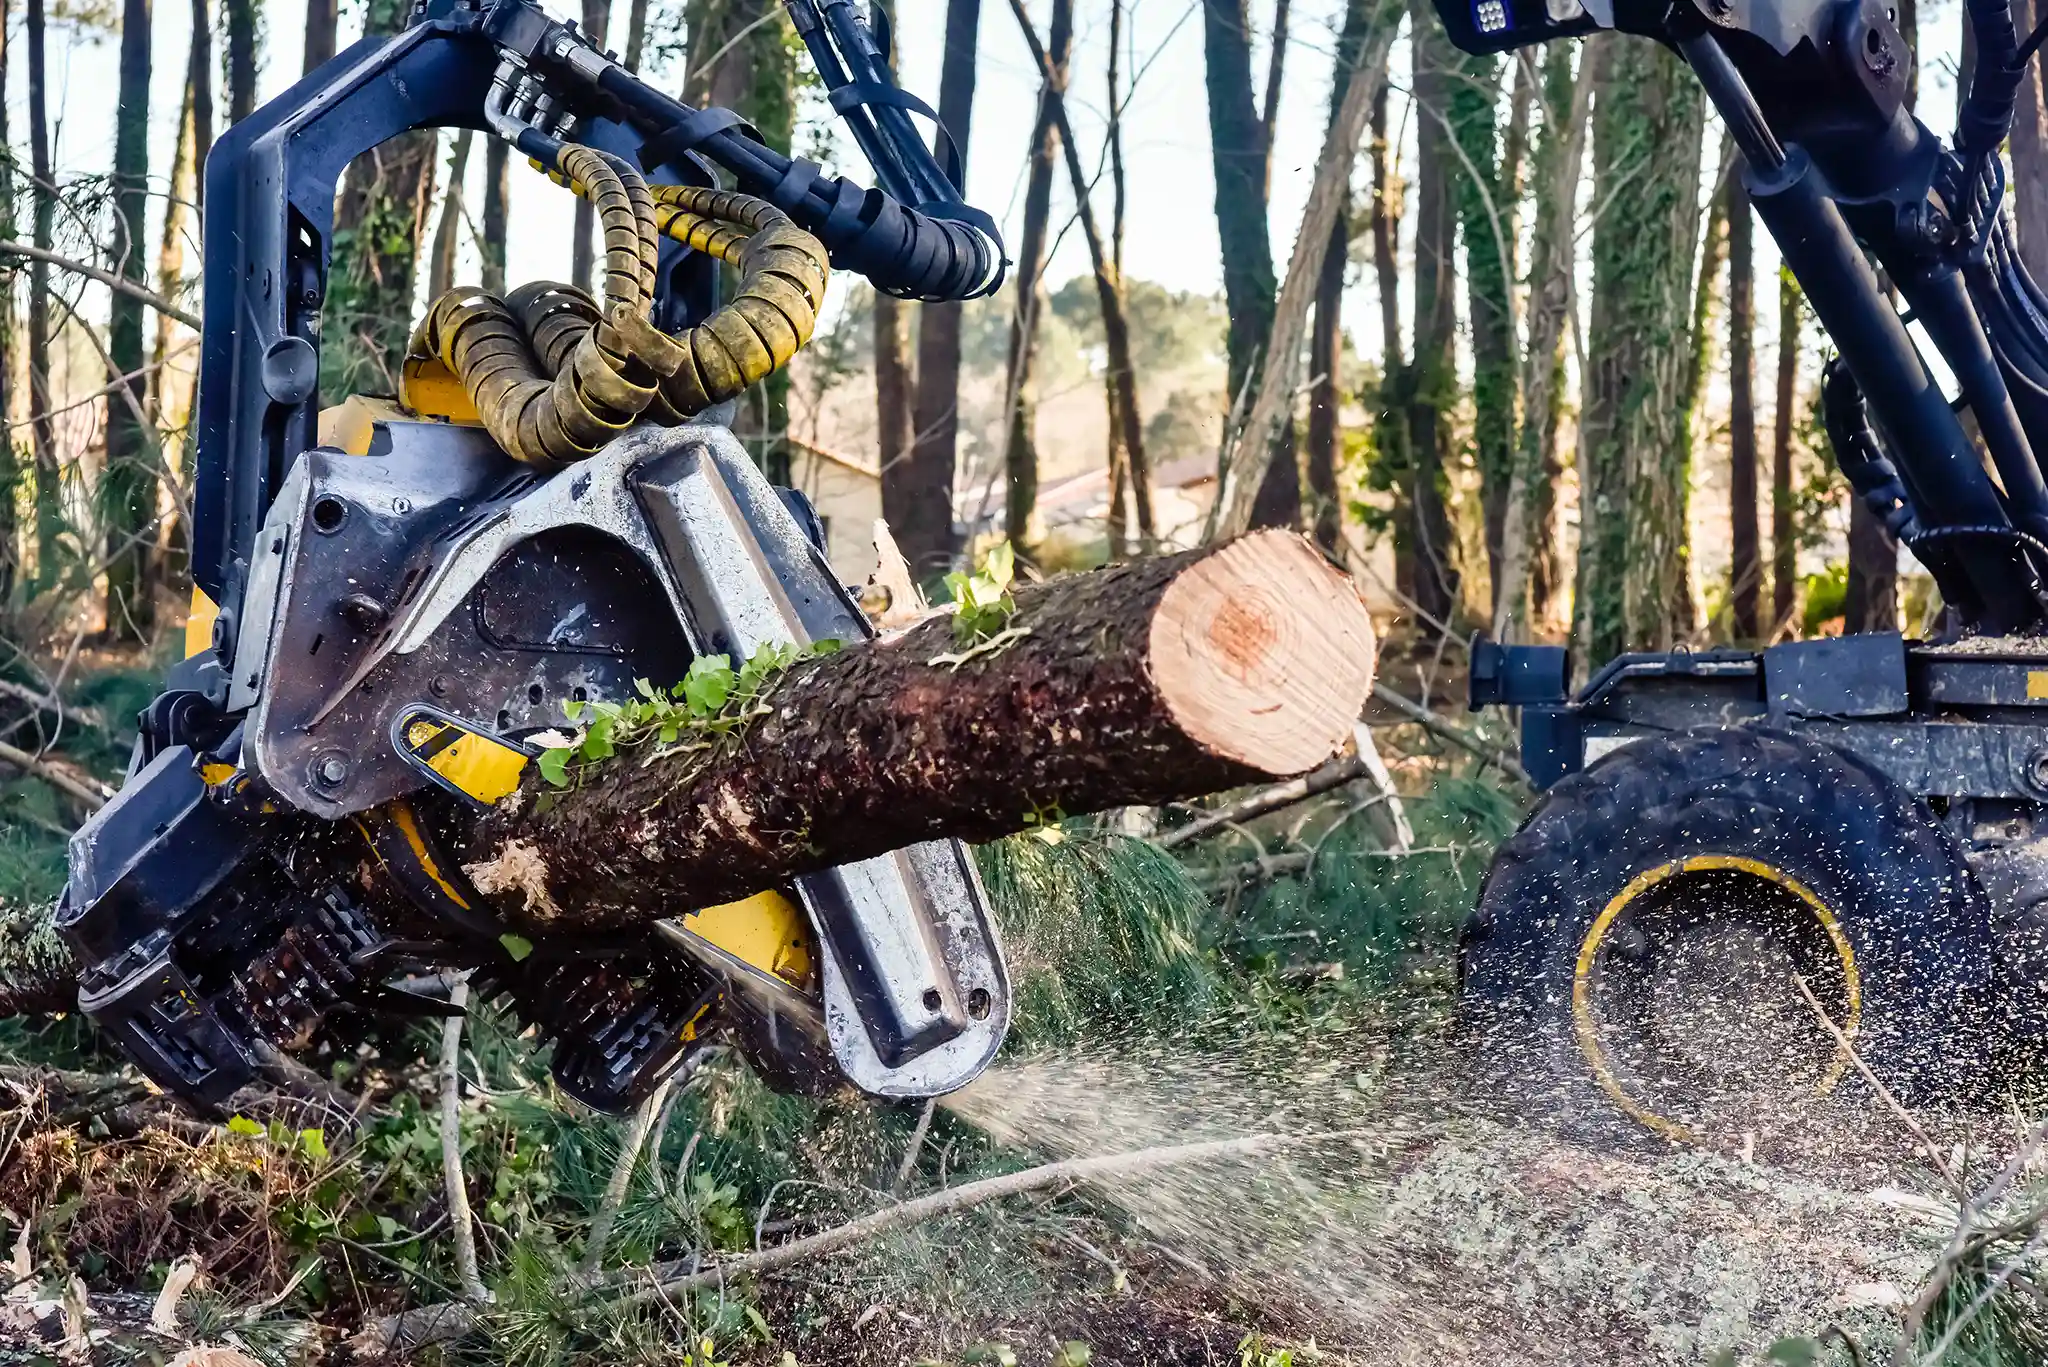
column 1587, row 1031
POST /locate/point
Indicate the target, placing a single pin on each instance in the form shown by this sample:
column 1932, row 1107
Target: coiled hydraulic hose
column 554, row 375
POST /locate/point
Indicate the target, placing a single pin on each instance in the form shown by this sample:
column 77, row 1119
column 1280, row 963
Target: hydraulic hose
column 554, row 375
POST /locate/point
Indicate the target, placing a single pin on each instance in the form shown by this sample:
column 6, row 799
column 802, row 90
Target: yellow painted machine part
column 1587, row 1031
column 427, row 387
column 767, row 931
column 477, row 765
column 199, row 623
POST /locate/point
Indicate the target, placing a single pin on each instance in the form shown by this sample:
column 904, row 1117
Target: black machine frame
column 1866, row 203
column 236, row 891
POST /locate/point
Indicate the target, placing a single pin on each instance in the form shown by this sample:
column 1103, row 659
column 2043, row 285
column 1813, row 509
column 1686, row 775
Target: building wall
column 849, row 499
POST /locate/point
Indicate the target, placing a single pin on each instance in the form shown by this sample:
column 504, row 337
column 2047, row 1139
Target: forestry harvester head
column 1732, row 845
column 393, row 596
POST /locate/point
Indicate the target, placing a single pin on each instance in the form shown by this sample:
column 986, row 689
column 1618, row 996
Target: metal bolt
column 333, row 770
column 401, row 505
column 438, row 686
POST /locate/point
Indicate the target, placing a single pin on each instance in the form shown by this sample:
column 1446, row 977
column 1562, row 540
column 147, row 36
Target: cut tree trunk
column 128, row 483
column 1150, row 682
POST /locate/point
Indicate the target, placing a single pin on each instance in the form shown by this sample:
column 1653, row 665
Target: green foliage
column 712, row 704
column 1827, row 597
column 1104, row 932
column 982, row 605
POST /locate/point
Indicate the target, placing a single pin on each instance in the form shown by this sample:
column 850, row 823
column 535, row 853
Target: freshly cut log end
column 1263, row 653
column 1160, row 680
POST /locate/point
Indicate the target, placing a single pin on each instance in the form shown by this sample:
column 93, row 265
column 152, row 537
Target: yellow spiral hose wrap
column 554, row 374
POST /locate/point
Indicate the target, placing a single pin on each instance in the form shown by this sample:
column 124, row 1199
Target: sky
column 1172, row 231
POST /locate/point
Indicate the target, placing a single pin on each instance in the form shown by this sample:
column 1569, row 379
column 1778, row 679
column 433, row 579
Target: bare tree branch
column 109, row 279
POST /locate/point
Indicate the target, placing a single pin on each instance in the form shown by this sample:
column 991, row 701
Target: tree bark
column 1429, row 382
column 49, row 513
column 597, row 24
column 1262, row 439
column 448, row 234
column 10, row 469
column 1871, row 602
column 1634, row 570
column 1276, row 68
column 128, row 486
column 893, row 378
column 322, row 22
column 1120, row 378
column 1237, row 150
column 1147, row 682
column 918, row 500
column 1020, row 448
column 1484, row 201
column 636, row 35
column 1326, row 393
column 1530, row 574
column 200, row 81
column 497, row 190
column 1745, row 568
column 1784, row 534
column 2030, row 155
column 244, row 17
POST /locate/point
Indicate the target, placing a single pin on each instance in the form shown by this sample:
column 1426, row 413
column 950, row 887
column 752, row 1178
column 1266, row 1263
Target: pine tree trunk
column 170, row 259
column 448, row 234
column 2029, row 188
column 1135, row 684
column 1430, row 379
column 1634, row 575
column 597, row 23
column 1489, row 281
column 1745, row 568
column 199, row 80
column 918, row 500
column 1390, row 420
column 323, row 20
column 1871, row 602
column 244, row 18
column 497, row 190
column 1020, row 449
column 1237, row 145
column 49, row 512
column 128, row 486
column 1784, row 532
column 10, row 469
column 636, row 35
column 380, row 225
column 1530, row 574
column 893, row 379
column 1326, row 394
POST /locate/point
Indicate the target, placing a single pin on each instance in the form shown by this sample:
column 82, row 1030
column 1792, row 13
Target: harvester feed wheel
column 1640, row 944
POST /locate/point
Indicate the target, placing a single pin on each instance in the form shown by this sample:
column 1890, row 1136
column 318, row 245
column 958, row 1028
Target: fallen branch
column 1891, row 1103
column 666, row 1281
column 1335, row 774
column 38, row 976
column 45, row 702
column 1154, row 681
column 118, row 283
column 1450, row 731
column 74, row 783
column 461, row 1228
column 448, row 1321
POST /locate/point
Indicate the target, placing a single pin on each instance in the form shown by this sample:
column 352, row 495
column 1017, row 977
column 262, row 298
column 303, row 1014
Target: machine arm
column 1850, row 184
column 504, row 67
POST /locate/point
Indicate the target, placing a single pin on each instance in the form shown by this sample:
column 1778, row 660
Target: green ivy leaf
column 518, row 946
column 241, row 1124
column 314, row 1142
column 554, row 766
column 708, row 684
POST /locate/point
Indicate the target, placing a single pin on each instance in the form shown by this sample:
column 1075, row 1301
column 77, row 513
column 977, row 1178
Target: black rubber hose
column 1859, row 454
column 906, row 252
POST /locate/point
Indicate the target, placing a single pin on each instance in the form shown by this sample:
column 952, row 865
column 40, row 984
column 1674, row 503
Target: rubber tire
column 1914, row 915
